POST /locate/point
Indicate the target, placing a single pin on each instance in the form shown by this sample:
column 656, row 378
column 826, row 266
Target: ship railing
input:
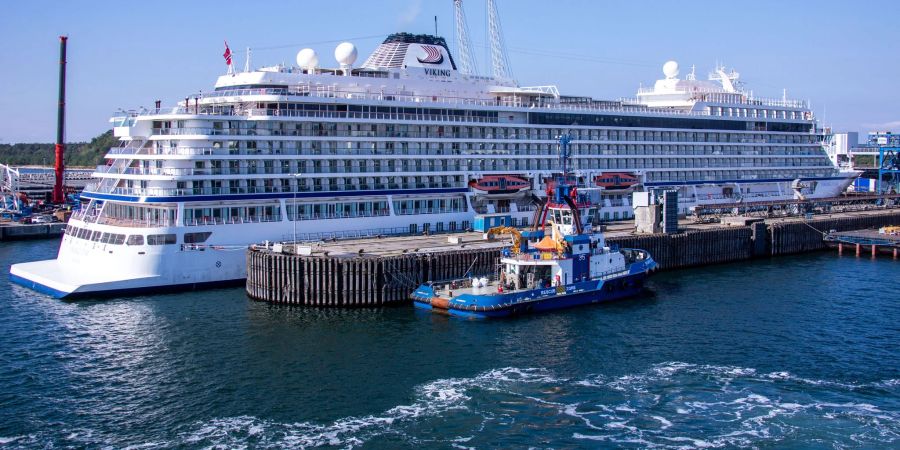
column 126, row 150
column 216, row 171
column 513, row 101
column 408, row 212
column 633, row 255
column 116, row 165
column 136, row 223
column 335, row 189
column 482, row 209
column 338, row 215
column 236, row 220
column 463, row 282
column 372, row 115
column 784, row 103
column 737, row 98
column 85, row 215
column 353, row 234
column 537, row 256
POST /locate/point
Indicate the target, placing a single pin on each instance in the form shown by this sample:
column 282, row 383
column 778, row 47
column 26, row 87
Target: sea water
column 793, row 352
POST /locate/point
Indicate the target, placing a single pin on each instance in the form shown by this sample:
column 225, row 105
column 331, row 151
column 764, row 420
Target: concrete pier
column 369, row 272
column 18, row 232
column 375, row 272
column 871, row 239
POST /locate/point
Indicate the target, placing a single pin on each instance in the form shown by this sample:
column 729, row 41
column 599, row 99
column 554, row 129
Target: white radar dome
column 345, row 53
column 307, row 58
column 670, row 69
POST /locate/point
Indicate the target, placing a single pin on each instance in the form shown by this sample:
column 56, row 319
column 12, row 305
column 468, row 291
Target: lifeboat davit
column 499, row 184
column 616, row 180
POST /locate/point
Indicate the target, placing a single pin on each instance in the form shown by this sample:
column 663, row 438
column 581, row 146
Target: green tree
column 83, row 154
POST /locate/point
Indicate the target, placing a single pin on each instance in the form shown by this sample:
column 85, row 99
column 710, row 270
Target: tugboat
column 570, row 266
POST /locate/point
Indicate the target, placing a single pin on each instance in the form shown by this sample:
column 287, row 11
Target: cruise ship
column 406, row 142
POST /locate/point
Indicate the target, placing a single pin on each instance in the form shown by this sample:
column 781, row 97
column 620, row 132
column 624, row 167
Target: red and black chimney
column 59, row 195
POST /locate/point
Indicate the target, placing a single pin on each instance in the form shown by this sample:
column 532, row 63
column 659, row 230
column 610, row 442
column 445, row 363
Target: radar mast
column 463, row 47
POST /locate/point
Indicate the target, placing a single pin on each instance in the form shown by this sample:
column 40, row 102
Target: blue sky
column 841, row 55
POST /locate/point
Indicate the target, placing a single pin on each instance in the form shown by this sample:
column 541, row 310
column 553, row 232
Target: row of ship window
column 314, row 148
column 211, row 216
column 275, row 185
column 316, row 211
column 331, row 129
column 342, row 183
column 251, row 167
column 542, row 118
column 134, row 239
column 271, row 212
column 735, row 174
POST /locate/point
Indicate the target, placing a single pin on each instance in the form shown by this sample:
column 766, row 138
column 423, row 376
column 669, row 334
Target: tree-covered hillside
column 86, row 154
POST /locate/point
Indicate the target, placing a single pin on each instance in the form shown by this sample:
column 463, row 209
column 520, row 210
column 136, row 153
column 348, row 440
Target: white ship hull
column 222, row 260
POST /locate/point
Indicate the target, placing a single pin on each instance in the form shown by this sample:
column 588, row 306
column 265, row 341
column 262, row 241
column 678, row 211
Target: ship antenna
column 463, row 47
column 499, row 60
column 247, row 61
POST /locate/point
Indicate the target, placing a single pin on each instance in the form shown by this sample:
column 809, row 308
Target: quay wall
column 349, row 281
column 692, row 247
column 373, row 280
column 31, row 231
column 798, row 237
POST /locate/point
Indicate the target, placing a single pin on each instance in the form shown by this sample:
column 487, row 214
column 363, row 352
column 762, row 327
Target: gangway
column 782, row 208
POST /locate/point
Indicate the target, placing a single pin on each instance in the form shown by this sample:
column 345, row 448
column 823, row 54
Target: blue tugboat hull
column 495, row 305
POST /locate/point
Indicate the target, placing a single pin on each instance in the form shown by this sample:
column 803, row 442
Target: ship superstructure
column 404, row 142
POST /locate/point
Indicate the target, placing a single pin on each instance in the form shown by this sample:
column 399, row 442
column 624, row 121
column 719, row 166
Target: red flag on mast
column 227, row 54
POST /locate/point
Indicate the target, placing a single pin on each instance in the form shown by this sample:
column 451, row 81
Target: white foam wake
column 668, row 405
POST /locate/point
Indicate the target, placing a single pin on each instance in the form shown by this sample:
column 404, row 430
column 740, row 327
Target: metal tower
column 499, row 61
column 888, row 164
column 463, row 47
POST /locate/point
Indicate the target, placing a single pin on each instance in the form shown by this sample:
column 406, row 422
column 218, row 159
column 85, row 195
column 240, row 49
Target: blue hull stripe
column 55, row 293
column 47, row 290
column 271, row 195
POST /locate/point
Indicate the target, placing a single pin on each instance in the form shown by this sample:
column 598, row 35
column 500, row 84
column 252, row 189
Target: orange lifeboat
column 616, row 180
column 499, row 184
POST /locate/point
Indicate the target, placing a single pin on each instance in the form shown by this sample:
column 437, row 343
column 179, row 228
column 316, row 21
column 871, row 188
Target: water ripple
column 710, row 360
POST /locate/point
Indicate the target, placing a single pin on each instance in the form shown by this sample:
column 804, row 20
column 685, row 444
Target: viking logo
column 433, row 55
